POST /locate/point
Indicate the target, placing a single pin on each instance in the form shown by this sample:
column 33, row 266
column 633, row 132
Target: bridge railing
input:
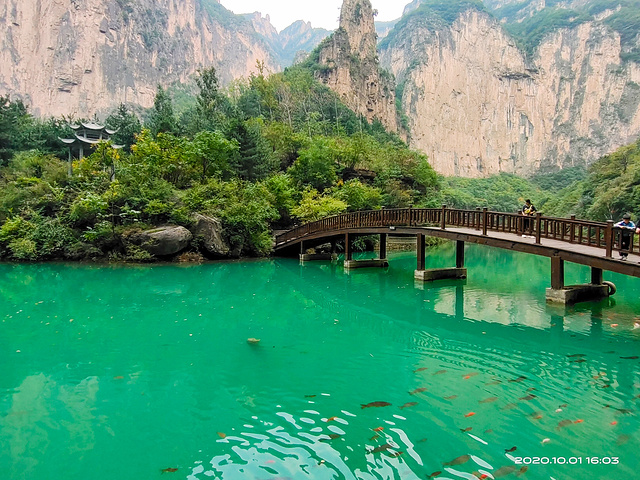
column 570, row 230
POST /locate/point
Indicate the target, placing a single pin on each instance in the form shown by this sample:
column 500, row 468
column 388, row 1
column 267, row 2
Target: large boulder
column 209, row 229
column 163, row 241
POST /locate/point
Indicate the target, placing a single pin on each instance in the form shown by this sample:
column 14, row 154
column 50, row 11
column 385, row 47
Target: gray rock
column 210, row 230
column 163, row 241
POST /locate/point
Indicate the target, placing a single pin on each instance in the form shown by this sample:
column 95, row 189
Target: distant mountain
column 298, row 37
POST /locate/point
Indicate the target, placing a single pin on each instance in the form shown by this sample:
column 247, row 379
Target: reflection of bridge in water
column 561, row 239
column 552, row 331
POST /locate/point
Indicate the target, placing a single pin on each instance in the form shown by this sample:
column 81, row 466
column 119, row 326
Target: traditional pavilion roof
column 89, row 134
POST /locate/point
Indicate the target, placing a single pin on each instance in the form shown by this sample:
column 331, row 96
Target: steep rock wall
column 477, row 107
column 352, row 67
column 81, row 58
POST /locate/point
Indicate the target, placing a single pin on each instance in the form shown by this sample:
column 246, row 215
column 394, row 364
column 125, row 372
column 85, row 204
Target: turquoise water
column 142, row 372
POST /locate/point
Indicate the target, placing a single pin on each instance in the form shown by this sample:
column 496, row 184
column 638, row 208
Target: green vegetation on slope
column 270, row 151
column 610, row 189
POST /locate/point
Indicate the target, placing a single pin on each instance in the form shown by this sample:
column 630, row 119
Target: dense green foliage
column 503, row 193
column 268, row 152
column 610, row 189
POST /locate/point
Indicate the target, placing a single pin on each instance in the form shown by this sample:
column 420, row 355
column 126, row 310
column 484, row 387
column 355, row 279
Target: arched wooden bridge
column 595, row 244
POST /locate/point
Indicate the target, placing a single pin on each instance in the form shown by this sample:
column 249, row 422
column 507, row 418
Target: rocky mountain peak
column 350, row 66
column 356, row 19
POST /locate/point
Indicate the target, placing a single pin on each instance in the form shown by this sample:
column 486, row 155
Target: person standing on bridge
column 627, row 227
column 528, row 210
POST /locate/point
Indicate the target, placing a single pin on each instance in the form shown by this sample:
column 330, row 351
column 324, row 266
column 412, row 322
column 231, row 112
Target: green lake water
column 144, row 372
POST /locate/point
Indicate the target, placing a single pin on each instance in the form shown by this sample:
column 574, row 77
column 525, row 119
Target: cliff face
column 351, row 66
column 477, row 107
column 80, row 58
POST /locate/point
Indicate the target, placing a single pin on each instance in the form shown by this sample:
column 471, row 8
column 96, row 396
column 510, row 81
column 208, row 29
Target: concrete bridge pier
column 310, row 257
column 433, row 274
column 350, row 263
column 571, row 294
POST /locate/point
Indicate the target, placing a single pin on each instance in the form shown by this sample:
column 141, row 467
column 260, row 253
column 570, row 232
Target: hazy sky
column 321, row 13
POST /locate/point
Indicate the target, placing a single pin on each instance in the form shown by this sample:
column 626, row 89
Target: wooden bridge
column 595, row 244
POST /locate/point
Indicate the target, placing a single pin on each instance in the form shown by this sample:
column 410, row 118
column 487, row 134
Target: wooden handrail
column 569, row 230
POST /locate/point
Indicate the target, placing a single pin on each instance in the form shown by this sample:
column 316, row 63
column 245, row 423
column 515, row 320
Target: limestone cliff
column 349, row 66
column 83, row 57
column 477, row 106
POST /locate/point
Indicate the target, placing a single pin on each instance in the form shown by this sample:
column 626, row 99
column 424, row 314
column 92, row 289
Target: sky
column 321, row 13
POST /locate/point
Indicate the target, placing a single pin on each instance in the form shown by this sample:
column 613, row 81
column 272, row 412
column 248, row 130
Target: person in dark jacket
column 627, row 228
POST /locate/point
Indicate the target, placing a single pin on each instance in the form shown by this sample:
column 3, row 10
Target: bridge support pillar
column 570, row 294
column 420, row 249
column 383, row 246
column 459, row 254
column 434, row 274
column 350, row 263
column 596, row 276
column 310, row 257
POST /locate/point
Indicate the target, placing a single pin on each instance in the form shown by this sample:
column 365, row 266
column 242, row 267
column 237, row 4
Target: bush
column 23, row 249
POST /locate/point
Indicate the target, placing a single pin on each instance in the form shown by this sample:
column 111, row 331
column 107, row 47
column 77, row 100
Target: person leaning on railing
column 627, row 227
column 528, row 210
